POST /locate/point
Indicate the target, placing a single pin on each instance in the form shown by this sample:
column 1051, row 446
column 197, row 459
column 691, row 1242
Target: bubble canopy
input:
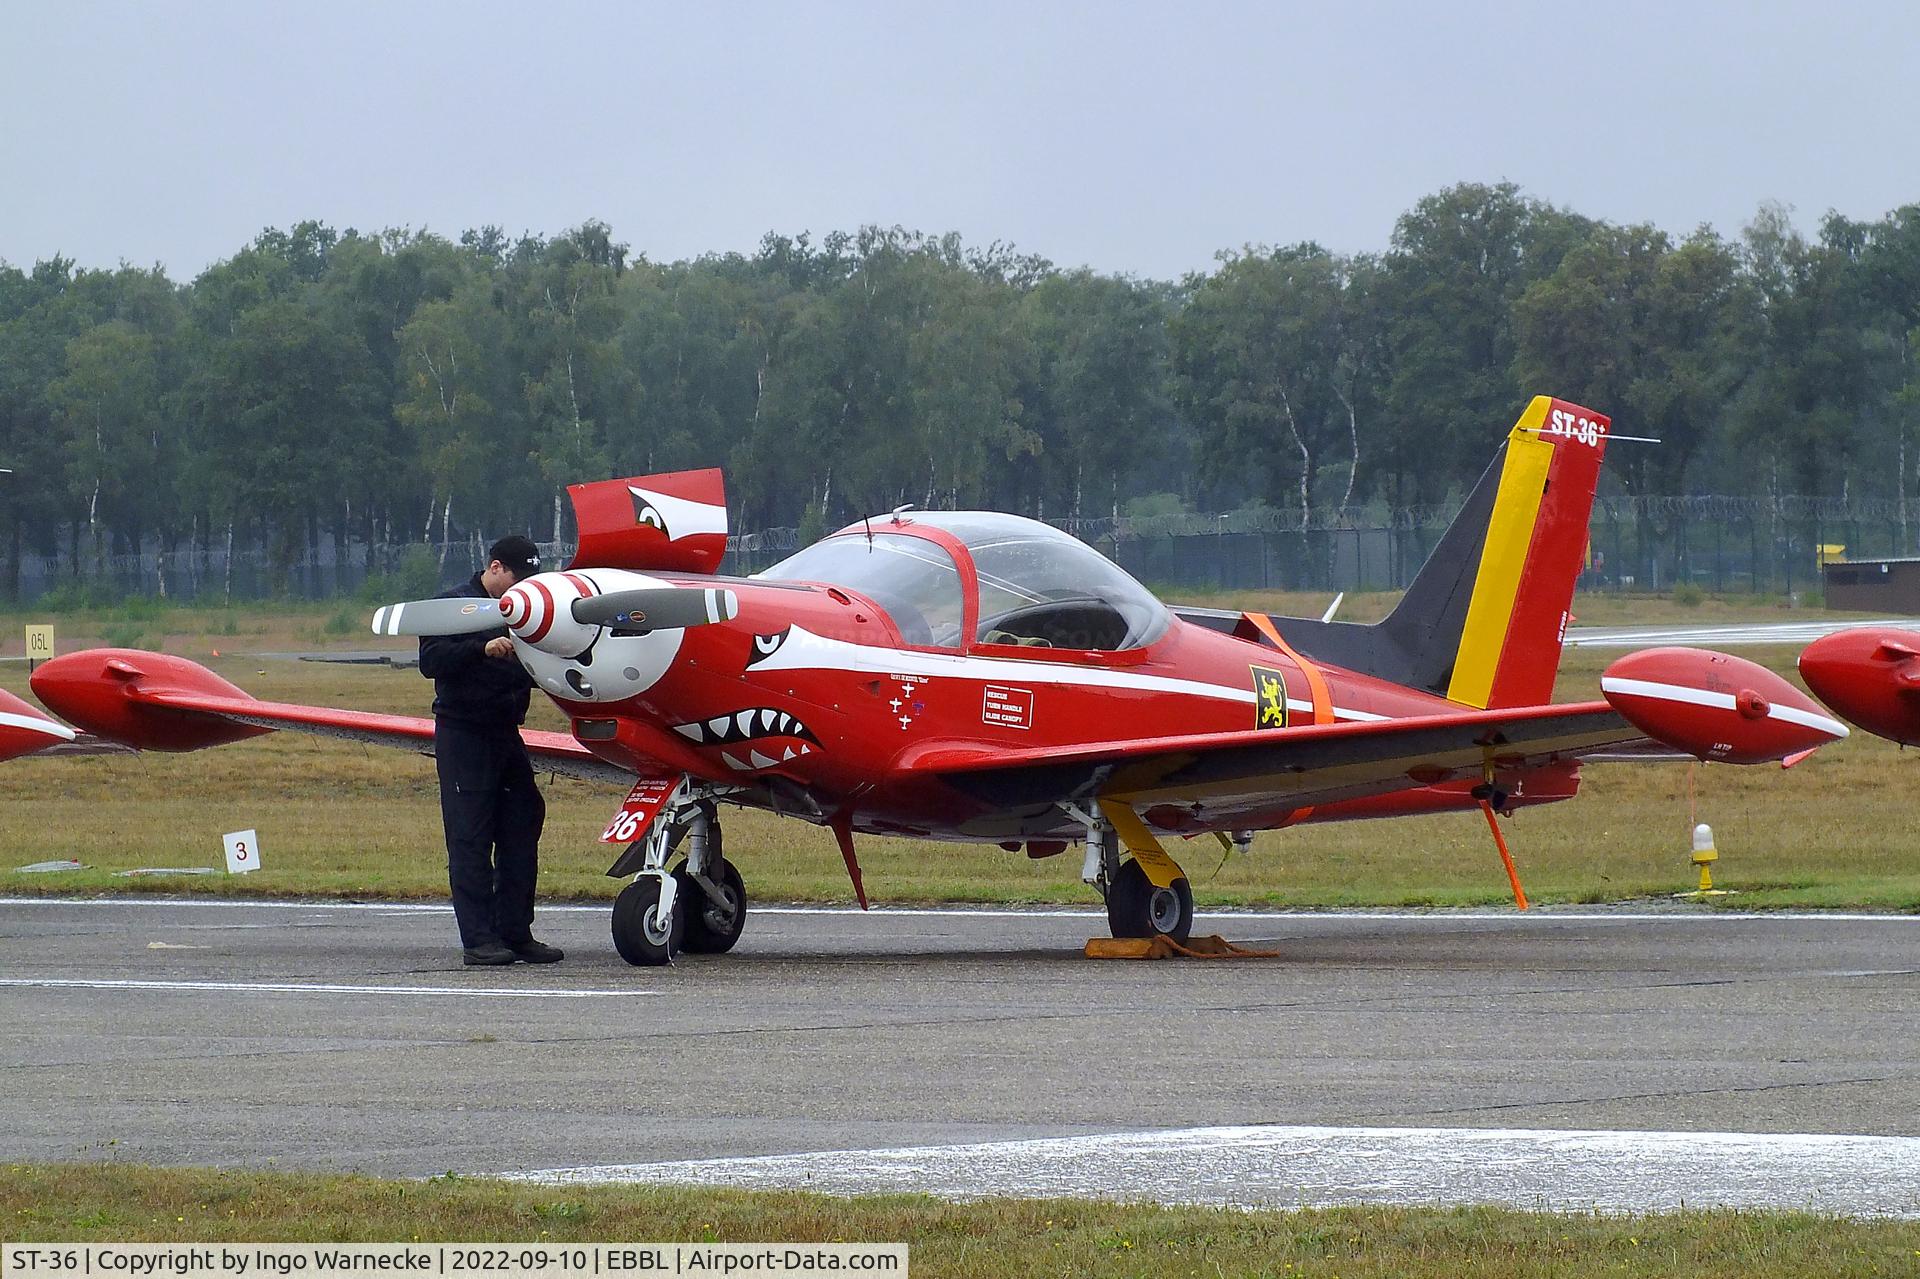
column 1037, row 586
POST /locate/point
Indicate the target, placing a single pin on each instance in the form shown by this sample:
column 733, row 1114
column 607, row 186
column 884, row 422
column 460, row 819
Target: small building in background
column 1872, row 586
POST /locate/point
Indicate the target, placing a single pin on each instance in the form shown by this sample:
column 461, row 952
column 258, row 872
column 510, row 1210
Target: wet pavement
column 336, row 1036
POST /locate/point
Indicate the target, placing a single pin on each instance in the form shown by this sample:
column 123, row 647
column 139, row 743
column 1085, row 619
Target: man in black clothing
column 489, row 804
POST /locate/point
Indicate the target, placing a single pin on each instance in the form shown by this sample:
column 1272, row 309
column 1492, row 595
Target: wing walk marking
column 1719, row 701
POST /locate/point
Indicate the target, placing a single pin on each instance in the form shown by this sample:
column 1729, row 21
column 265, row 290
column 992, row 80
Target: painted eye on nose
column 765, row 646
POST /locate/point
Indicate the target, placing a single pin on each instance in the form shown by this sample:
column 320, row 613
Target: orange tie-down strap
column 1316, row 685
column 1316, row 682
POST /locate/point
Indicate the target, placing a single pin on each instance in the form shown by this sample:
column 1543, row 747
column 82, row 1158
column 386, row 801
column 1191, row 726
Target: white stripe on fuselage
column 805, row 651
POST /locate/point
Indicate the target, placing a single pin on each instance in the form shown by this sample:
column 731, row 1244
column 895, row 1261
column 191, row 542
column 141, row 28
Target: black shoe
column 536, row 952
column 491, row 953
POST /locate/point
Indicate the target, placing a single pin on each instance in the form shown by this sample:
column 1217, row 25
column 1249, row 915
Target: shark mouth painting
column 751, row 730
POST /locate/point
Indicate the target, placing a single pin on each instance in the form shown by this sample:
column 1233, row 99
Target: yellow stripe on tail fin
column 1535, row 542
column 1483, row 619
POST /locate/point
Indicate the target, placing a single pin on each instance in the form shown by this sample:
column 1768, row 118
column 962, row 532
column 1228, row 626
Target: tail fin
column 1483, row 621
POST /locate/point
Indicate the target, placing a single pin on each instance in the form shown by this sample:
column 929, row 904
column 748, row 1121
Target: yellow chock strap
column 1165, row 947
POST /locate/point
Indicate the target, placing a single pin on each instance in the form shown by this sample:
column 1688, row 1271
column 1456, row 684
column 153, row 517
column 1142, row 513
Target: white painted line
column 1611, row 684
column 1666, row 692
column 1719, row 636
column 1808, row 719
column 1539, row 914
column 309, row 988
column 1574, row 1170
column 36, row 724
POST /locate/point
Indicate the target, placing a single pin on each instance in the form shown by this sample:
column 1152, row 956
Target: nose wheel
column 699, row 907
column 646, row 932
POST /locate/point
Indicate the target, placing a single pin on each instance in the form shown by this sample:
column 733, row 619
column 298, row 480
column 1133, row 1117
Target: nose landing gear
column 699, row 906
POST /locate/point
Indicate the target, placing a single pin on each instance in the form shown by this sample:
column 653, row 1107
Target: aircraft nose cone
column 1871, row 676
column 70, row 684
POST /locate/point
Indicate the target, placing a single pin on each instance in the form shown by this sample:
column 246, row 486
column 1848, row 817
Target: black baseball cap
column 518, row 555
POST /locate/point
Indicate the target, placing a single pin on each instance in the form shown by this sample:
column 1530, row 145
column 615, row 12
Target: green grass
column 346, row 820
column 990, row 1239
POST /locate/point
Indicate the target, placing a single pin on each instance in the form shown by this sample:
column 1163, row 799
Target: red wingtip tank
column 112, row 691
column 1871, row 677
column 24, row 730
column 1717, row 707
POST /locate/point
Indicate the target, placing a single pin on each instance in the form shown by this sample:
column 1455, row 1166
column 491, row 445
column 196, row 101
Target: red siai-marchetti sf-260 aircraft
column 979, row 676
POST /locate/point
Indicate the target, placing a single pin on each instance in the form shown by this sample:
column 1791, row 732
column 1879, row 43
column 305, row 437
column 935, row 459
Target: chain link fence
column 1649, row 544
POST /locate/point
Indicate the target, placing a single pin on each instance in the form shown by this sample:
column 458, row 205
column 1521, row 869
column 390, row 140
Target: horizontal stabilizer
column 676, row 522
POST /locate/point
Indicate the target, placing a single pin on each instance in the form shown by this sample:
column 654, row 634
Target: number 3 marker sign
column 243, row 851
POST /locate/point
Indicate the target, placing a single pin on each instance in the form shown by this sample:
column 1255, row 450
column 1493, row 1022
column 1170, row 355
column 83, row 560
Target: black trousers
column 493, row 812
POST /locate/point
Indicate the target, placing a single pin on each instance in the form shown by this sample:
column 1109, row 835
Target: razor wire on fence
column 1770, row 545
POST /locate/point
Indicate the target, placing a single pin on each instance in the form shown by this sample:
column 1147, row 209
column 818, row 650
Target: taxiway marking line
column 305, row 988
column 1611, row 1171
column 1732, row 633
column 1538, row 915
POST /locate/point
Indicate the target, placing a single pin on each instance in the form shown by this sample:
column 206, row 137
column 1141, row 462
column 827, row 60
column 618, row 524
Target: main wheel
column 641, row 936
column 713, row 923
column 1135, row 908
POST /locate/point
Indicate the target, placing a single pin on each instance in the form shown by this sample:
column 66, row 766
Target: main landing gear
column 1148, row 894
column 700, row 906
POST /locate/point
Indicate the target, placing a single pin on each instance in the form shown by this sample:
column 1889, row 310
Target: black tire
column 637, row 933
column 1135, row 908
column 713, row 926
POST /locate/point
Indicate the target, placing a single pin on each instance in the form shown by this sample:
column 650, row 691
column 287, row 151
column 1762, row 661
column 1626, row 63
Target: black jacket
column 469, row 686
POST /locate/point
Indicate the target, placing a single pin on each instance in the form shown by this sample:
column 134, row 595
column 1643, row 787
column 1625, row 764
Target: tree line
column 403, row 386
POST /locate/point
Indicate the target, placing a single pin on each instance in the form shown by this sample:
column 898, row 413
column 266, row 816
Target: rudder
column 1483, row 620
column 1536, row 540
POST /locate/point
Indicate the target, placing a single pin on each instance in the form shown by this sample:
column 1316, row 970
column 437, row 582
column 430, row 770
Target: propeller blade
column 438, row 617
column 658, row 608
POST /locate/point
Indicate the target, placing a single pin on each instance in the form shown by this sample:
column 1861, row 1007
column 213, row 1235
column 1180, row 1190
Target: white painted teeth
column 760, row 761
column 746, row 725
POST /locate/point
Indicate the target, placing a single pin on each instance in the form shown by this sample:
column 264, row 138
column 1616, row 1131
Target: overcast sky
column 1128, row 137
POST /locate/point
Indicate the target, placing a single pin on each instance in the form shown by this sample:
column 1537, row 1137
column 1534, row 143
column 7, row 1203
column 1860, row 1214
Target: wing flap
column 1312, row 764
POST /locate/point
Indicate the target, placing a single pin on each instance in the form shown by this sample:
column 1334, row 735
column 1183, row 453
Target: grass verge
column 983, row 1240
column 339, row 819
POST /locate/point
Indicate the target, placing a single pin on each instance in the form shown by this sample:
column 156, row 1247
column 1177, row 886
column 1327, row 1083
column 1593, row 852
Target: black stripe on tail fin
column 1483, row 620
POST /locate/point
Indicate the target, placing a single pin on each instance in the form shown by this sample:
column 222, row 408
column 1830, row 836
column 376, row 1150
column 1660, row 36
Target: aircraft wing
column 1306, row 765
column 556, row 753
